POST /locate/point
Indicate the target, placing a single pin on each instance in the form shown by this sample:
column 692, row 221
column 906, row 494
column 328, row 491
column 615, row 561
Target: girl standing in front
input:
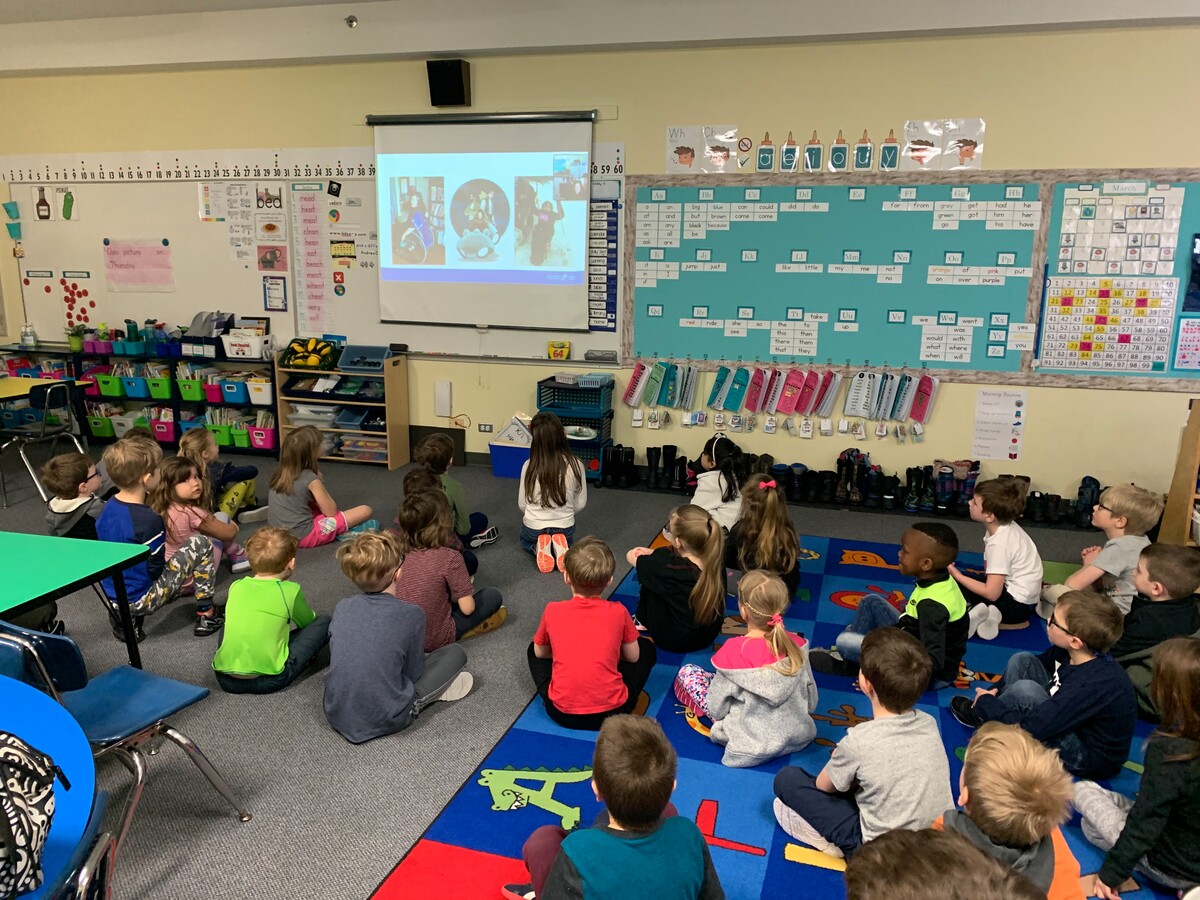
column 1158, row 834
column 299, row 501
column 179, row 500
column 553, row 489
column 762, row 695
column 718, row 476
column 764, row 537
column 682, row 602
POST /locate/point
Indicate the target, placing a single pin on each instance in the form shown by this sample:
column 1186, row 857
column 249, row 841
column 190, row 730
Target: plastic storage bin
column 363, row 358
column 189, row 424
column 507, row 459
column 136, row 387
column 110, row 386
column 573, row 399
column 160, row 388
column 262, row 438
column 351, row 417
column 101, row 426
column 241, row 437
column 234, row 392
column 262, row 393
column 246, row 347
column 213, row 393
column 602, row 426
column 164, row 432
column 11, row 418
column 191, row 389
column 308, row 414
column 222, row 434
column 122, row 424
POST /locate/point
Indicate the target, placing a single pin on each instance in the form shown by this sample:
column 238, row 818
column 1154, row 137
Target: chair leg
column 135, row 762
column 32, row 472
column 202, row 763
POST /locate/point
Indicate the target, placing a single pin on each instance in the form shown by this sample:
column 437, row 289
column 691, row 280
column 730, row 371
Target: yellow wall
column 1050, row 100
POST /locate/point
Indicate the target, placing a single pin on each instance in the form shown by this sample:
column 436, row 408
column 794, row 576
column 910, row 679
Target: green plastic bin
column 101, row 427
column 111, row 385
column 160, row 388
column 191, row 389
column 222, row 434
column 241, row 437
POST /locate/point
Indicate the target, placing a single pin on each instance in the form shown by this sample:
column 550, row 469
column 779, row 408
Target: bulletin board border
column 1046, row 179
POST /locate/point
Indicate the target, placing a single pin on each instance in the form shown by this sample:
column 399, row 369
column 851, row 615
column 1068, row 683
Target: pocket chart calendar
column 894, row 273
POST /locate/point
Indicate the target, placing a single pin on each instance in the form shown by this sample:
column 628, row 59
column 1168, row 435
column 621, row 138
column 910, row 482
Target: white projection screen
column 483, row 219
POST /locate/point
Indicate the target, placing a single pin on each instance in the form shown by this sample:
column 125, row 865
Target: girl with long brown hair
column 764, row 537
column 178, row 498
column 300, row 503
column 682, row 602
column 553, row 489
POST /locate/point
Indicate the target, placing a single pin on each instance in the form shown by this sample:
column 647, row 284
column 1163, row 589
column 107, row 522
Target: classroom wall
column 1063, row 99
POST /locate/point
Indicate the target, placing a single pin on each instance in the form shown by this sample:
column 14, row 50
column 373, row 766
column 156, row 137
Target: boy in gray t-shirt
column 889, row 772
column 1125, row 513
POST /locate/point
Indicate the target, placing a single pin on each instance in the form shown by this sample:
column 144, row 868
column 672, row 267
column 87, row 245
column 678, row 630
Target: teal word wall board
column 904, row 274
column 1120, row 265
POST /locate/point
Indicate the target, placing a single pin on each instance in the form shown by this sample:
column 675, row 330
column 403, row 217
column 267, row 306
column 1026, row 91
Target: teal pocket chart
column 885, row 271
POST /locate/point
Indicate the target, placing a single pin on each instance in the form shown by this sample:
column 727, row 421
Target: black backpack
column 26, row 809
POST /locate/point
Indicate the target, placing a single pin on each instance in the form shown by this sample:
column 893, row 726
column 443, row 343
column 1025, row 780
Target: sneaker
column 119, row 633
column 238, row 560
column 490, row 536
column 459, row 687
column 249, row 514
column 518, row 892
column 558, row 547
column 964, row 711
column 210, row 624
column 638, row 625
column 491, row 623
column 545, row 557
column 58, row 626
column 349, row 534
column 830, row 662
column 796, row 826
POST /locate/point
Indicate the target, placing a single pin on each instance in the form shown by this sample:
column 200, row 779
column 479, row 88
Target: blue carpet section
column 537, row 773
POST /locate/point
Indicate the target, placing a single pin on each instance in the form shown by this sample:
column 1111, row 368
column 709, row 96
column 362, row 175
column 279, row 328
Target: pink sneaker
column 238, row 561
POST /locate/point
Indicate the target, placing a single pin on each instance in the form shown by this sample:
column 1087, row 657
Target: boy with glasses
column 1073, row 697
column 73, row 510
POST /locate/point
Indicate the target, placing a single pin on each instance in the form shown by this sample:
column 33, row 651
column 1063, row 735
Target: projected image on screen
column 418, row 221
column 570, row 178
column 479, row 215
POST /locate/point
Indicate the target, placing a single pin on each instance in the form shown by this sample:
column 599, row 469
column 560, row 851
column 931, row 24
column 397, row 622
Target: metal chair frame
column 49, row 395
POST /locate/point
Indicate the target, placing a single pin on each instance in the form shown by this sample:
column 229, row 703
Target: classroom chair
column 88, row 874
column 46, row 401
column 121, row 711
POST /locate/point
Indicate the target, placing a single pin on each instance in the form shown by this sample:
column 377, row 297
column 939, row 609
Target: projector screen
column 484, row 223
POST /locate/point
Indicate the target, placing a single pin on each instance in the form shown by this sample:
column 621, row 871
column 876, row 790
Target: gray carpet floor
column 330, row 818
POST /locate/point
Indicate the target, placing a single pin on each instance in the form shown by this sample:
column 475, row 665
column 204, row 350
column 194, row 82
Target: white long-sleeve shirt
column 710, row 487
column 538, row 515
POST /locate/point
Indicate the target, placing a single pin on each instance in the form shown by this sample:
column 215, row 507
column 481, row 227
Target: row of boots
column 666, row 469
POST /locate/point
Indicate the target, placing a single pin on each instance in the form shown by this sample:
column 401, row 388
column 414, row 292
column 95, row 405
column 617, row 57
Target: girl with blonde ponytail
column 682, row 603
column 762, row 695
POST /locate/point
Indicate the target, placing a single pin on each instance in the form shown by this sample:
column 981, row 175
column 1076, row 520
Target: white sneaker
column 796, row 826
column 459, row 687
column 259, row 514
column 490, row 536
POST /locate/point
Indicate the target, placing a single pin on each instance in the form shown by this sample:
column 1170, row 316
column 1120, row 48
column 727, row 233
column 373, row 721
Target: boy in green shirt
column 436, row 452
column 259, row 654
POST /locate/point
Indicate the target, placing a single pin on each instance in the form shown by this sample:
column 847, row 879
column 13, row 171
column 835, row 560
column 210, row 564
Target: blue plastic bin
column 136, row 387
column 235, row 392
column 507, row 459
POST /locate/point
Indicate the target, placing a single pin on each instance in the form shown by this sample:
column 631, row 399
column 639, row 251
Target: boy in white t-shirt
column 1010, row 589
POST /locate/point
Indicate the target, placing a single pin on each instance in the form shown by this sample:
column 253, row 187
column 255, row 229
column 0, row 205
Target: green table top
column 39, row 568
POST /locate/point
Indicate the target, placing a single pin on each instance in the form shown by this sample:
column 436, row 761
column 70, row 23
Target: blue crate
column 573, row 400
column 594, row 380
column 591, row 454
column 136, row 387
column 351, row 418
column 507, row 459
column 235, row 392
column 363, row 358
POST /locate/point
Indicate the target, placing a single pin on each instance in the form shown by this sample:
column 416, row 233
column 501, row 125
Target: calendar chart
column 894, row 273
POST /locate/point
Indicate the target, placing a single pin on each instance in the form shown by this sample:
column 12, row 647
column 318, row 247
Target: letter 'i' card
column 754, row 395
column 719, row 388
column 792, row 386
column 737, row 390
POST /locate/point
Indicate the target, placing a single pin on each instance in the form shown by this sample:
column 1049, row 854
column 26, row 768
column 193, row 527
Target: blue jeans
column 529, row 537
column 873, row 612
column 487, row 601
column 1024, row 687
column 479, row 524
column 834, row 816
column 303, row 644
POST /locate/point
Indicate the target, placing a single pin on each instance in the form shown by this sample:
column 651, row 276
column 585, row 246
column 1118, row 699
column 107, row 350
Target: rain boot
column 669, row 454
column 680, row 479
column 912, row 493
column 653, row 457
column 611, row 461
column 857, row 475
column 943, row 491
column 844, row 471
column 928, row 498
column 625, row 471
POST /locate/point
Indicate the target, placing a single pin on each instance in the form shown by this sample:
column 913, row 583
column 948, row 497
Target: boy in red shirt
column 587, row 660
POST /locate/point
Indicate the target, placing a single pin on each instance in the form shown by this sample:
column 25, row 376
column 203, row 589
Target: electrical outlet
column 486, row 429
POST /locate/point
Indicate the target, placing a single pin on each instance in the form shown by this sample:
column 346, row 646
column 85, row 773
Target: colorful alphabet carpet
column 539, row 773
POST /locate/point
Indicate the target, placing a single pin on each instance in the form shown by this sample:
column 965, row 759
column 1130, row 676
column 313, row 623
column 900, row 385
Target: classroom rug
column 539, row 773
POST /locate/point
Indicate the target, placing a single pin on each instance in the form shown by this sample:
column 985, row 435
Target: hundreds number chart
column 1112, row 302
column 903, row 274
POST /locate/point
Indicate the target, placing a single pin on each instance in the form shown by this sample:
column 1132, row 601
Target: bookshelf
column 1185, row 491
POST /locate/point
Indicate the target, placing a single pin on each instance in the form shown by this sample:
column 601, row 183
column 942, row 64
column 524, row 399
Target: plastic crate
column 122, row 424
column 308, row 414
column 164, row 432
column 188, row 424
column 573, row 400
column 262, row 438
column 110, row 386
column 90, row 374
column 104, row 347
column 136, row 387
column 11, row 418
column 101, row 426
column 262, row 393
column 365, row 444
column 191, row 389
column 351, row 417
column 594, row 380
column 135, row 348
column 363, row 358
column 507, row 459
column 241, row 437
column 234, row 392
column 222, row 434
column 365, row 455
column 213, row 393
column 592, row 457
column 247, row 346
column 602, row 425
column 160, row 388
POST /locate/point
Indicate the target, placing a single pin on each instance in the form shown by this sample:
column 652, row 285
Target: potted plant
column 75, row 337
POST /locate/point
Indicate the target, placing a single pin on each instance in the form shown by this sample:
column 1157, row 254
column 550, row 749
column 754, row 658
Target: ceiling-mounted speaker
column 449, row 82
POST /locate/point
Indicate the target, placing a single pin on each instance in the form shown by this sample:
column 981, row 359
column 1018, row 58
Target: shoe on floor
column 491, row 623
column 248, row 514
column 964, row 711
column 490, row 536
column 459, row 687
column 351, row 533
column 518, row 892
column 558, row 547
column 545, row 556
column 830, row 662
column 210, row 624
column 797, row 826
column 238, row 560
column 138, row 634
column 58, row 626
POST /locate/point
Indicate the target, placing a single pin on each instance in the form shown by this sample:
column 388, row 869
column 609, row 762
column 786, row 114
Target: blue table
column 37, row 719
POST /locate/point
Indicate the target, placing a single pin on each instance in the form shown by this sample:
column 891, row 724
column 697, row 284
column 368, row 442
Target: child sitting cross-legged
column 1014, row 794
column 72, row 512
column 436, row 453
column 379, row 678
column 135, row 468
column 639, row 845
column 586, row 658
column 1074, row 696
column 420, row 478
column 936, row 613
column 1166, row 606
column 178, row 499
column 764, row 537
column 762, row 695
column 259, row 652
column 888, row 772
